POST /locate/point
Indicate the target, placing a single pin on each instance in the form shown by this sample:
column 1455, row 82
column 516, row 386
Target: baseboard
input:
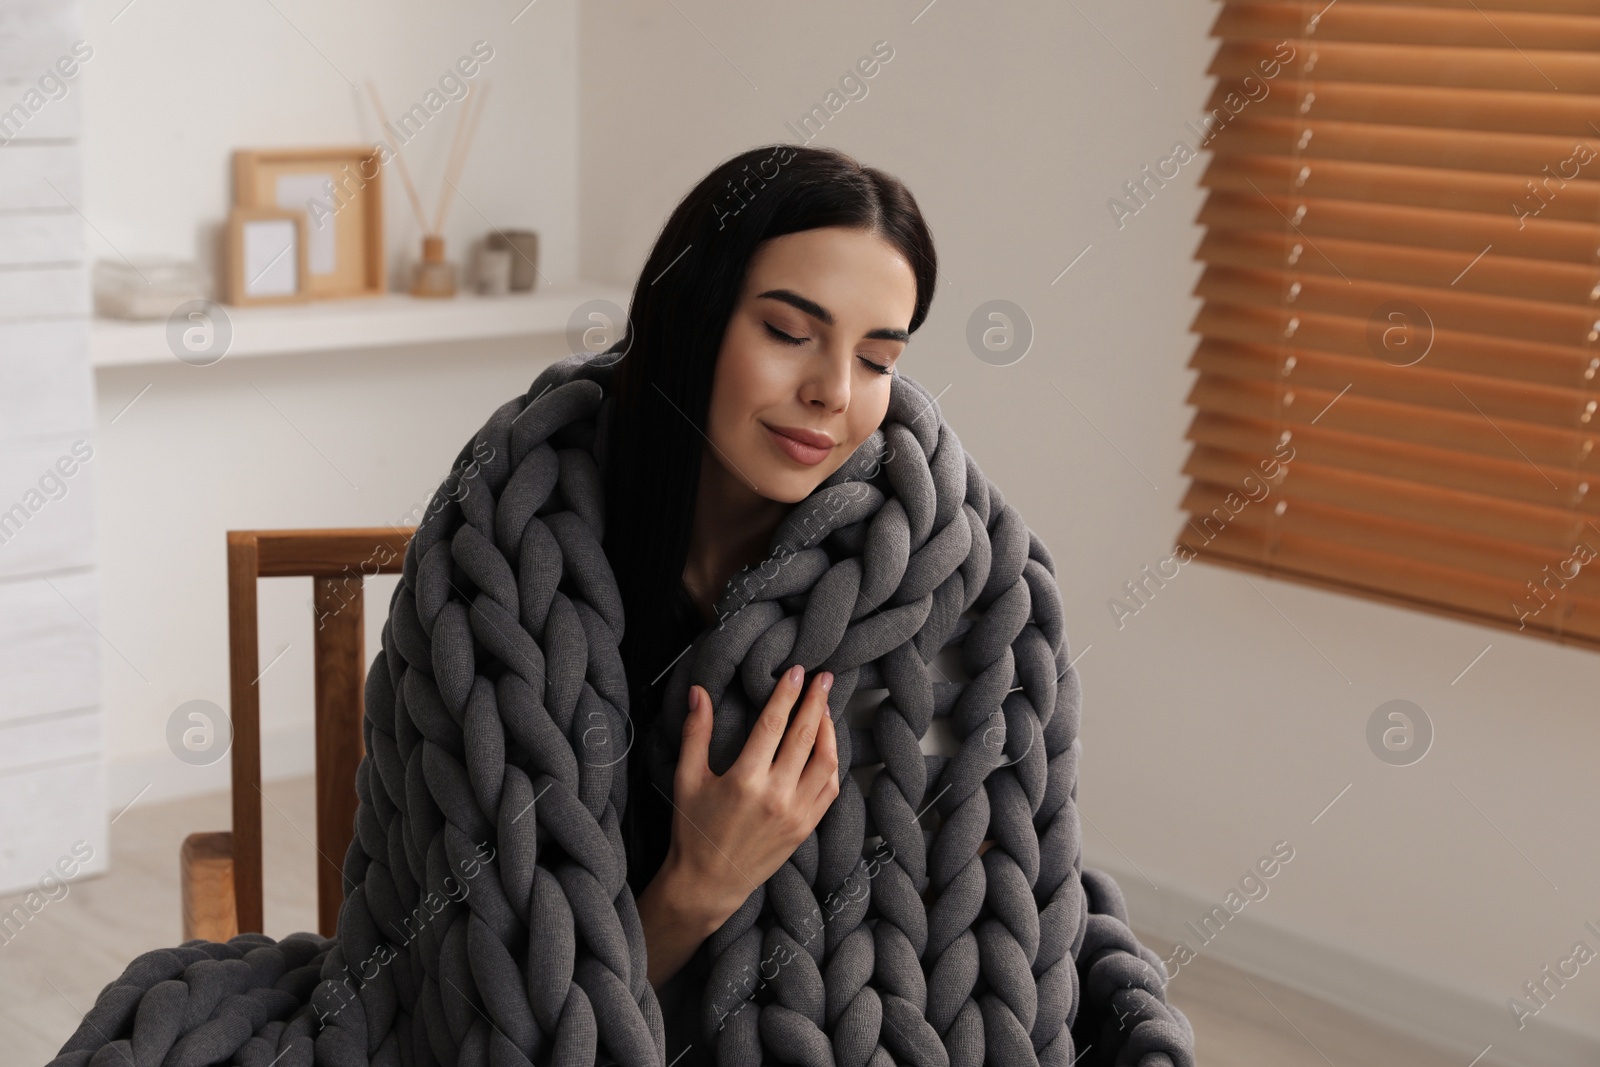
column 1410, row 1002
column 152, row 777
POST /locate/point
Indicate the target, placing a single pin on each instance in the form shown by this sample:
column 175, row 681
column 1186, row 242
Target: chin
column 790, row 487
column 790, row 484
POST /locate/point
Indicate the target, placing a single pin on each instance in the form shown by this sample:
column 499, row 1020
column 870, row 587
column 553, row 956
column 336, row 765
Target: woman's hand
column 730, row 832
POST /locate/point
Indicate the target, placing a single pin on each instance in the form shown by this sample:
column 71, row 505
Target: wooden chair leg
column 205, row 872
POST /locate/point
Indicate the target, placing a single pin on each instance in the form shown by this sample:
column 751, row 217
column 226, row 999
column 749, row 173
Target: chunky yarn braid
column 488, row 918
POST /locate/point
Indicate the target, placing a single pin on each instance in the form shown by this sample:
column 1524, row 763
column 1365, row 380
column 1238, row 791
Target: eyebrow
column 817, row 311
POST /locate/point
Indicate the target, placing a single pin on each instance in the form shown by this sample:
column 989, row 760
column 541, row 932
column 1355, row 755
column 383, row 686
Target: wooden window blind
column 1400, row 329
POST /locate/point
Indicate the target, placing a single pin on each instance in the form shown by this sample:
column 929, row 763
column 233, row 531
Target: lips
column 803, row 446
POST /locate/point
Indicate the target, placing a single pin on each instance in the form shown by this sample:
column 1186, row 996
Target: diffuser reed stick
column 458, row 159
column 405, row 174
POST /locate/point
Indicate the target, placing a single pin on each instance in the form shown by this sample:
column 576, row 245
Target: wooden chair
column 220, row 872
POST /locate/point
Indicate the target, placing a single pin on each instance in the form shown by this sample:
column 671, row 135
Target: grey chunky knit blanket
column 488, row 919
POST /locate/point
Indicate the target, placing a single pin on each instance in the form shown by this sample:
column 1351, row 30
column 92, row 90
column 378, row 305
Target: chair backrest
column 337, row 561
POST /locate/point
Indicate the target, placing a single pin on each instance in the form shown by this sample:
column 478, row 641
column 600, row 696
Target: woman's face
column 822, row 316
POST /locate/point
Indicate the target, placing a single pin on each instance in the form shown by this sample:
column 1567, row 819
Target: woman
column 772, row 312
column 603, row 538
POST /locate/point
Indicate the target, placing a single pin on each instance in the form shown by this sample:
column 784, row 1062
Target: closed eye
column 785, row 338
column 874, row 365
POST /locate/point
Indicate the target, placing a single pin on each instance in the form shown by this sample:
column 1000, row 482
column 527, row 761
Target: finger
column 694, row 752
column 803, row 733
column 820, row 780
column 756, row 758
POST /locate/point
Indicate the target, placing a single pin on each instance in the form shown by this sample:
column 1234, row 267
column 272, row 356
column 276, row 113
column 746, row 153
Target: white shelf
column 365, row 322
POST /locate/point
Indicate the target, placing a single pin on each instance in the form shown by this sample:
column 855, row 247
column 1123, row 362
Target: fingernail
column 795, row 673
column 827, row 681
column 694, row 698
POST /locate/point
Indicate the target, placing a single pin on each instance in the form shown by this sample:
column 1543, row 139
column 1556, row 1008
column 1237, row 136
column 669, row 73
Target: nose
column 827, row 382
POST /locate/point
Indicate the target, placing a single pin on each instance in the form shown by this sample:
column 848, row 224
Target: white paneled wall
column 52, row 779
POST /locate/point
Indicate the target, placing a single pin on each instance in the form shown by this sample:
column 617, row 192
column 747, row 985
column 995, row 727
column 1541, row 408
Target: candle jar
column 493, row 274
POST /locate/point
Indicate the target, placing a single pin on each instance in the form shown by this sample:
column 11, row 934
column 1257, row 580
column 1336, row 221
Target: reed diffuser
column 435, row 275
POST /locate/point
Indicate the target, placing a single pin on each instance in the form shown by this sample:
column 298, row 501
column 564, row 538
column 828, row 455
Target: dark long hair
column 681, row 305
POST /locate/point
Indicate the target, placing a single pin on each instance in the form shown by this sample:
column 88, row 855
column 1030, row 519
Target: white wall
column 1231, row 710
column 52, row 776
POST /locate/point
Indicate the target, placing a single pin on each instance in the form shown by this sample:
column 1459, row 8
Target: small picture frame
column 339, row 192
column 266, row 250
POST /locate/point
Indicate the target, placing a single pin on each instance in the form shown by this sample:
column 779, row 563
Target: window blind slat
column 1469, row 68
column 1512, row 276
column 1470, row 354
column 1469, row 232
column 1394, row 24
column 1495, row 398
column 1404, row 186
column 1497, row 111
column 1553, row 7
column 1314, row 139
column 1543, row 322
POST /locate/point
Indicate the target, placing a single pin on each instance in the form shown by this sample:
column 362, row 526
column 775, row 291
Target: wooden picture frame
column 266, row 256
column 340, row 192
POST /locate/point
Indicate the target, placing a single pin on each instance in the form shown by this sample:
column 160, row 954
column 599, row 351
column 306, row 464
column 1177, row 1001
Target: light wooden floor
column 51, row 971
